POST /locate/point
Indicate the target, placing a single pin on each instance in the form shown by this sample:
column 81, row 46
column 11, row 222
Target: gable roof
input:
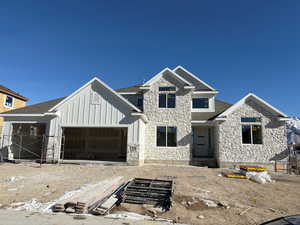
column 6, row 90
column 96, row 79
column 39, row 108
column 167, row 70
column 131, row 89
column 194, row 77
column 258, row 100
column 220, row 106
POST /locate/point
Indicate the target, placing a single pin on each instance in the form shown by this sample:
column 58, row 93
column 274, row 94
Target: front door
column 202, row 142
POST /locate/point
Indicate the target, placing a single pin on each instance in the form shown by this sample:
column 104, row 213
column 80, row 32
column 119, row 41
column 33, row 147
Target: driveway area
column 240, row 201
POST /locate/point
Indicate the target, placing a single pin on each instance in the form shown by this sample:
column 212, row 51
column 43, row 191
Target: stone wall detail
column 230, row 147
column 180, row 117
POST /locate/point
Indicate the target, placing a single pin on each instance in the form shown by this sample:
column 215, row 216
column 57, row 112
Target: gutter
column 33, row 115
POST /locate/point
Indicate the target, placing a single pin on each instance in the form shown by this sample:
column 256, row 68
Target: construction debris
column 252, row 168
column 148, row 191
column 254, row 173
column 234, row 175
column 88, row 199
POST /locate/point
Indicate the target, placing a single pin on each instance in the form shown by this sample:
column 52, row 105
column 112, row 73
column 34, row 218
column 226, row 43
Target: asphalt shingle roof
column 220, row 107
column 134, row 88
column 39, row 108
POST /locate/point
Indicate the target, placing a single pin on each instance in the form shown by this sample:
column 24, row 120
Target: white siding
column 110, row 111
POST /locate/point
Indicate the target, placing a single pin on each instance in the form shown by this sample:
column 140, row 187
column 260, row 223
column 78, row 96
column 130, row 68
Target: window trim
column 140, row 97
column 251, row 124
column 166, row 93
column 201, row 98
column 12, row 104
column 166, row 126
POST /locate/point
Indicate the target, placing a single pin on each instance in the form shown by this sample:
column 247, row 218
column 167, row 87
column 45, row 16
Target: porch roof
column 220, row 107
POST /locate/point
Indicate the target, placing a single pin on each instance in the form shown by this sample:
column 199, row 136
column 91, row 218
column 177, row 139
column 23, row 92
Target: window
column 250, row 120
column 140, row 102
column 200, row 103
column 8, row 101
column 166, row 136
column 167, row 97
column 251, row 130
column 167, row 88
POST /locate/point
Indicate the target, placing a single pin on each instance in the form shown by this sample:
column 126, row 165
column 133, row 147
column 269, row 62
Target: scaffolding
column 38, row 148
column 294, row 159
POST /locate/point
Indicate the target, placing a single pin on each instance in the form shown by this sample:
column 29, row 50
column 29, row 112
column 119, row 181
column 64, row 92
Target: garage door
column 105, row 144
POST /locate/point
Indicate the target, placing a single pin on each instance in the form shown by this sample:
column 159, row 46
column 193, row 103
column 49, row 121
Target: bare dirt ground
column 256, row 202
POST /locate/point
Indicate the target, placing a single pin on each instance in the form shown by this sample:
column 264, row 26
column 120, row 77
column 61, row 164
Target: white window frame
column 166, row 126
column 211, row 103
column 208, row 101
column 166, row 92
column 12, row 104
column 251, row 133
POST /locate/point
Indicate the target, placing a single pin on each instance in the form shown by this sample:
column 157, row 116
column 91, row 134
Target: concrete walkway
column 12, row 217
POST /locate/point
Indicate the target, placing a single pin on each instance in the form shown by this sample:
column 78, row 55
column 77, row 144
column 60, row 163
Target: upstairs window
column 167, row 88
column 166, row 136
column 8, row 101
column 251, row 130
column 200, row 103
column 167, row 97
column 140, row 102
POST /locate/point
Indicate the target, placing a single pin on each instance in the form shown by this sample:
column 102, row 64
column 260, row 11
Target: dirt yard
column 249, row 202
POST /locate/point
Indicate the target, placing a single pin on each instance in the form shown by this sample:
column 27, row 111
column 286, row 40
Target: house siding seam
column 230, row 148
column 179, row 117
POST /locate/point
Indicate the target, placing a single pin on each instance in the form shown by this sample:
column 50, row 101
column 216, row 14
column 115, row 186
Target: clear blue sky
column 50, row 48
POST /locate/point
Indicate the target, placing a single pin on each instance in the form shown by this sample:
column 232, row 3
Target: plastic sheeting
column 293, row 131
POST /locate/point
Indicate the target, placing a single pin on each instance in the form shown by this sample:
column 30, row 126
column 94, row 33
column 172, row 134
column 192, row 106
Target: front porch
column 203, row 145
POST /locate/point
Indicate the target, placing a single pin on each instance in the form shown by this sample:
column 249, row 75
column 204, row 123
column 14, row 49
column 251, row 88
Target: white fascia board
column 194, row 76
column 142, row 116
column 283, row 119
column 205, row 92
column 199, row 121
column 220, row 119
column 145, row 87
column 103, row 84
column 157, row 76
column 9, row 115
column 242, row 101
column 189, row 87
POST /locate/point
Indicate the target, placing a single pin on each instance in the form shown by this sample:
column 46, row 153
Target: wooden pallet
column 149, row 191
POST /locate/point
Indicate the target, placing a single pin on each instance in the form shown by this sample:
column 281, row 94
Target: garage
column 102, row 144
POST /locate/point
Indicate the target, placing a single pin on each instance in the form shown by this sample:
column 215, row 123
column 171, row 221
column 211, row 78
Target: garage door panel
column 95, row 143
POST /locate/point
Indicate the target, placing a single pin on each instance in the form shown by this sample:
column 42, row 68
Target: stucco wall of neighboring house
column 17, row 103
column 232, row 151
column 179, row 117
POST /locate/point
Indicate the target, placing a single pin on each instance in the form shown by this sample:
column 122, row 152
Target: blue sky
column 50, row 48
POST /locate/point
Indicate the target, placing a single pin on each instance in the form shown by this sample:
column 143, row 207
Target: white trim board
column 194, row 76
column 157, row 76
column 243, row 100
column 96, row 79
column 9, row 115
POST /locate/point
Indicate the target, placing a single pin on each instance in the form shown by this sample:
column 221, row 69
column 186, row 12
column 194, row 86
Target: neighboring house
column 9, row 100
column 173, row 118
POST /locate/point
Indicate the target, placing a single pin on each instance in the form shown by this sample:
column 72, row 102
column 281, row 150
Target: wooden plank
column 96, row 192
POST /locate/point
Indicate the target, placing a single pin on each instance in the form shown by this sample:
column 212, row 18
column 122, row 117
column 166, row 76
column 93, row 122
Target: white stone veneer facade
column 230, row 149
column 179, row 117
